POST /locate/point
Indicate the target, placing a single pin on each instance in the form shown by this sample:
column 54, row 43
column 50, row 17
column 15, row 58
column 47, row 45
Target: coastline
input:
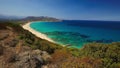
column 36, row 33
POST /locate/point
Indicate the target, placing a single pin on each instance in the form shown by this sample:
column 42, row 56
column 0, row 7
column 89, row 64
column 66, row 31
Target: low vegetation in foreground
column 21, row 49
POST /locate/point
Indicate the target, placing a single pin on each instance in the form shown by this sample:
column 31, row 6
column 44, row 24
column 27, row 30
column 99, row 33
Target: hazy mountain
column 8, row 17
column 40, row 18
column 28, row 18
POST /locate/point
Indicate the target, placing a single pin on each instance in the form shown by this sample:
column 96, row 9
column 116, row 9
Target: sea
column 77, row 33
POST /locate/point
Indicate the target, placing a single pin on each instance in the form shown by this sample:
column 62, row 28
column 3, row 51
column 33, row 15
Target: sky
column 63, row 9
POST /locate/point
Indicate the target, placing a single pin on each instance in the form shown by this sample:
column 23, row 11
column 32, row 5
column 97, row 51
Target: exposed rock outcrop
column 31, row 59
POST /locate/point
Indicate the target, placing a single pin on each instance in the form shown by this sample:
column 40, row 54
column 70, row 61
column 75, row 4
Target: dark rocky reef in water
column 74, row 34
column 66, row 37
column 100, row 40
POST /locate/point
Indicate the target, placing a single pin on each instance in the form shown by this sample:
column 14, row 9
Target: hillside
column 21, row 49
column 27, row 19
column 41, row 18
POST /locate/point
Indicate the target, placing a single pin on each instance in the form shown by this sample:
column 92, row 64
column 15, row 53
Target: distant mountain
column 7, row 17
column 29, row 18
column 41, row 18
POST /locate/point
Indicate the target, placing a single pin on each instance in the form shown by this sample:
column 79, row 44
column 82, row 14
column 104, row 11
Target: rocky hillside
column 14, row 53
column 21, row 49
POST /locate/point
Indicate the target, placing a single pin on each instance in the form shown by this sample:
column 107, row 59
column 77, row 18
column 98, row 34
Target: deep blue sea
column 76, row 33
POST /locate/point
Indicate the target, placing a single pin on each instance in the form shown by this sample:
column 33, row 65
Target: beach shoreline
column 36, row 33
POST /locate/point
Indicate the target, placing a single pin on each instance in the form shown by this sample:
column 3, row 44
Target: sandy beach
column 36, row 33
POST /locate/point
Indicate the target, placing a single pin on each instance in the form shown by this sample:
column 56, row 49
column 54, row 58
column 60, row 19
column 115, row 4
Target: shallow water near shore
column 77, row 33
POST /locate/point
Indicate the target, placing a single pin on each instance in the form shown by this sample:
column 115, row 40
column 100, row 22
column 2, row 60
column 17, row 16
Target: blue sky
column 63, row 9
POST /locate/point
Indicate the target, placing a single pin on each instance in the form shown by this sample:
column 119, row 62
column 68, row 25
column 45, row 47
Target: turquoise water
column 77, row 33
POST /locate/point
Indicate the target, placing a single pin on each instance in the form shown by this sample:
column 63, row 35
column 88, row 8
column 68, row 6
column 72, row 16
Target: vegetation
column 28, row 38
column 92, row 55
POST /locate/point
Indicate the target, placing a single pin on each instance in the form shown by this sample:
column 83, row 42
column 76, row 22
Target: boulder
column 31, row 59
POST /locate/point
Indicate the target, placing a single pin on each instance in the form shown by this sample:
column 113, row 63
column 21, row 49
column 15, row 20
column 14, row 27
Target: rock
column 28, row 61
column 31, row 59
column 24, row 59
column 12, row 43
column 10, row 58
column 45, row 56
column 44, row 67
column 1, row 50
column 3, row 36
